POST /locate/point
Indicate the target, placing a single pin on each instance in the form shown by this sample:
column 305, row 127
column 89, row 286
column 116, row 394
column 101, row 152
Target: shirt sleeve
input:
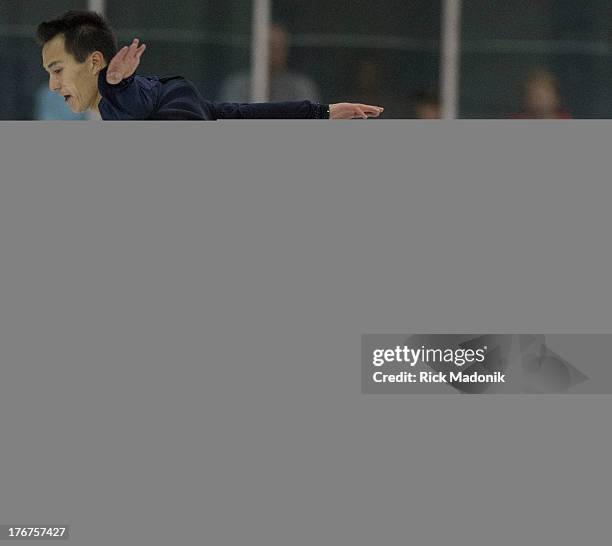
column 135, row 97
column 269, row 110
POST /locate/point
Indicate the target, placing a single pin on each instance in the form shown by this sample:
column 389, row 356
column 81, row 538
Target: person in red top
column 541, row 97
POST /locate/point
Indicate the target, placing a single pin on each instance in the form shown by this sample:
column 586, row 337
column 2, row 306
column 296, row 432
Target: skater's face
column 76, row 82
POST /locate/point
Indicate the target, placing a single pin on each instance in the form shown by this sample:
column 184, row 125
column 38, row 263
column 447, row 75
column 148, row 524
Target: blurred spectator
column 370, row 74
column 52, row 106
column 541, row 97
column 284, row 85
column 426, row 105
column 368, row 80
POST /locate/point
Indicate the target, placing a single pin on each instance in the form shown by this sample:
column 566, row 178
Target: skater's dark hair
column 84, row 32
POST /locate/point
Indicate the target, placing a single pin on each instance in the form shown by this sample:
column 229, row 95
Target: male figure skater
column 80, row 53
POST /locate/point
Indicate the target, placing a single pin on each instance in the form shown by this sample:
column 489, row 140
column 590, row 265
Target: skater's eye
column 57, row 71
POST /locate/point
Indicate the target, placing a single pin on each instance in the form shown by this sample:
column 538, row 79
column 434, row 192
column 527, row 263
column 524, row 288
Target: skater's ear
column 96, row 61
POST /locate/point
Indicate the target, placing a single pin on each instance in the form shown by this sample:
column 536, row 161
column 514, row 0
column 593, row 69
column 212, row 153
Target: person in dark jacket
column 79, row 52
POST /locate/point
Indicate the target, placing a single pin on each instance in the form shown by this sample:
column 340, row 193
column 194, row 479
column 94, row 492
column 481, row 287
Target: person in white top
column 284, row 84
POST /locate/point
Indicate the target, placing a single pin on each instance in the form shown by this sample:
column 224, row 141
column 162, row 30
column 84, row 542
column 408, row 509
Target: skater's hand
column 347, row 110
column 124, row 64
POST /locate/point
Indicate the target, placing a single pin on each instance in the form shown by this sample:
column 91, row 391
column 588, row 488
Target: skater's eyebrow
column 52, row 64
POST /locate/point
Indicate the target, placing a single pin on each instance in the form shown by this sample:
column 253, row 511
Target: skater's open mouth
column 66, row 97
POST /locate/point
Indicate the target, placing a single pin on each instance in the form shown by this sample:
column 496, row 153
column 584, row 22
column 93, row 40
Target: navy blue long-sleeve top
column 176, row 98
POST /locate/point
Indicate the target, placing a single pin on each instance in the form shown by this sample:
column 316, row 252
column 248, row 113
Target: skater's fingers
column 119, row 58
column 140, row 51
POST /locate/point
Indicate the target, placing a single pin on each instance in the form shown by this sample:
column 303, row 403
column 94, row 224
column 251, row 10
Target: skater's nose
column 54, row 84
